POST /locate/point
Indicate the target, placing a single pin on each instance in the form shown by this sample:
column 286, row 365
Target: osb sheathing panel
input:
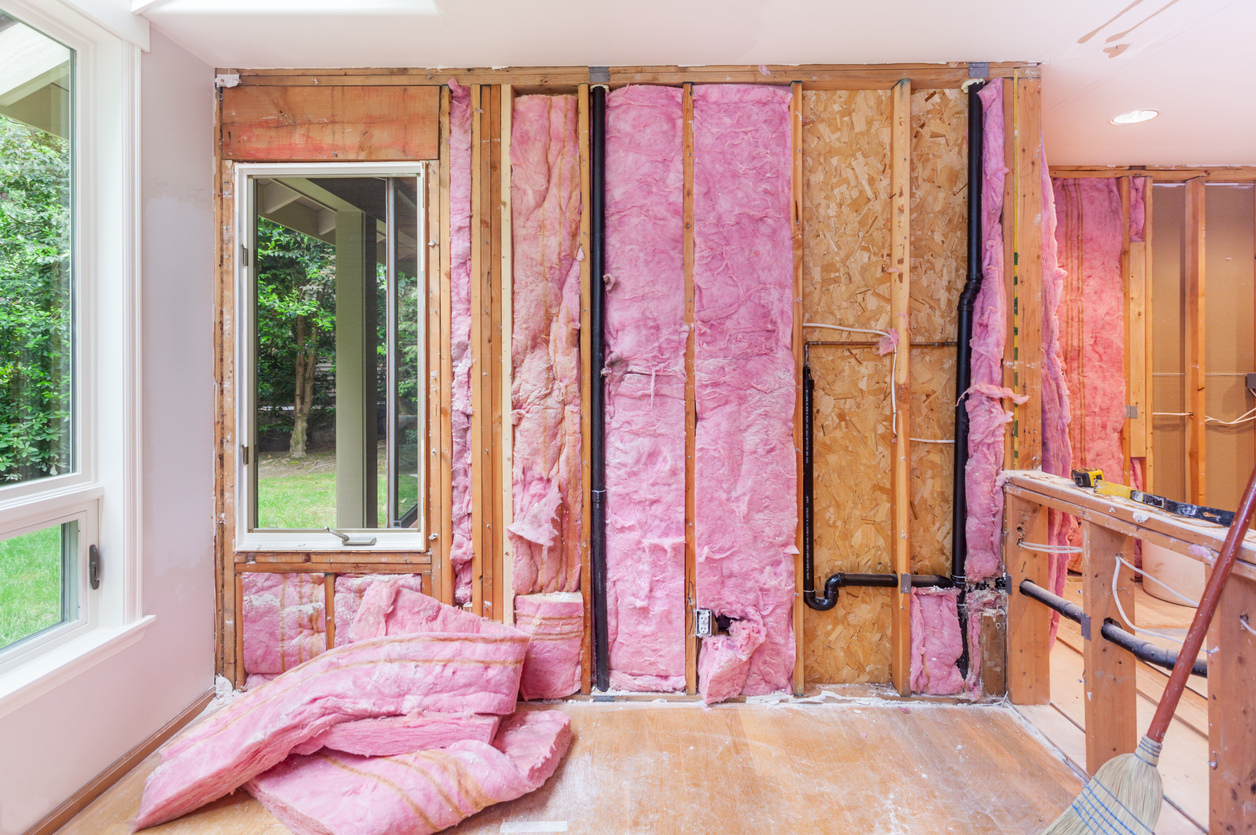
column 846, row 222
column 939, row 201
column 846, row 201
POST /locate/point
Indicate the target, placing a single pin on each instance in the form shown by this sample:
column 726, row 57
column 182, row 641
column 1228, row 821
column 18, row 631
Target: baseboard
column 60, row 816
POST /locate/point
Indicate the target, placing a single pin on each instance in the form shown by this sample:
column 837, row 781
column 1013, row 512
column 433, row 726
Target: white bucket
column 1183, row 574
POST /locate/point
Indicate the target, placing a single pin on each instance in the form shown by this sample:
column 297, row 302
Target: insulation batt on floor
column 460, row 332
column 351, row 588
column 284, row 624
column 1090, row 234
column 645, row 389
column 545, row 347
column 746, row 479
column 556, row 624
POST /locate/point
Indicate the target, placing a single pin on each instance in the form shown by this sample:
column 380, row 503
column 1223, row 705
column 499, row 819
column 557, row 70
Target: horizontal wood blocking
column 1161, row 174
column 565, row 79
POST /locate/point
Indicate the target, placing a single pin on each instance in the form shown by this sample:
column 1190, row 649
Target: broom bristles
column 1123, row 798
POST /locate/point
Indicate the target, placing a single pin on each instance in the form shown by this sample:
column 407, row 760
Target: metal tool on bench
column 1093, row 479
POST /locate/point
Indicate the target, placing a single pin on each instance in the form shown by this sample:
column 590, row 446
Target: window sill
column 41, row 674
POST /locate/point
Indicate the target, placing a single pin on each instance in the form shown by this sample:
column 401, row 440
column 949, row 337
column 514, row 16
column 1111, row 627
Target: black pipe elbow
column 823, row 604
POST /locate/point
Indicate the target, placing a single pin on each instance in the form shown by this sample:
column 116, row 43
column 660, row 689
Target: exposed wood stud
column 796, row 221
column 492, row 350
column 691, row 548
column 239, row 673
column 1162, row 174
column 1231, row 724
column 329, row 609
column 440, row 234
column 1027, row 272
column 1028, row 622
column 1149, row 482
column 478, row 441
column 1008, row 219
column 1111, row 683
column 900, row 309
column 1127, row 289
column 586, row 387
column 1196, row 356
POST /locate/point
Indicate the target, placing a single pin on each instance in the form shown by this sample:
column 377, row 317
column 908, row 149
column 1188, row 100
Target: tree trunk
column 307, row 358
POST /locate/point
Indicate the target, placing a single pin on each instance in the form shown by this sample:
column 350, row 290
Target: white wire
column 1116, row 598
column 893, row 366
column 1050, row 549
column 1243, row 622
column 1159, row 583
column 1172, row 414
column 1246, row 418
column 932, row 440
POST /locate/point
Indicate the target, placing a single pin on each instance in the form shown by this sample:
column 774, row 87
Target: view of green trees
column 36, row 327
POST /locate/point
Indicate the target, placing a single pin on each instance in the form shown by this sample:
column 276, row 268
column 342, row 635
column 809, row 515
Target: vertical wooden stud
column 329, row 609
column 796, row 220
column 1026, row 268
column 507, row 446
column 1232, row 711
column 478, row 440
column 1110, row 683
column 1028, row 621
column 1149, row 456
column 586, row 386
column 443, row 527
column 492, row 350
column 1127, row 284
column 1136, row 340
column 1195, row 342
column 691, row 548
column 238, row 595
column 900, row 304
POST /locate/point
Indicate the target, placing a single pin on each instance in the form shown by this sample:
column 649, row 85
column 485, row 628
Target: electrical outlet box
column 704, row 623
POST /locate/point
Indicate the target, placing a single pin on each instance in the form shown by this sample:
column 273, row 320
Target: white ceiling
column 1189, row 59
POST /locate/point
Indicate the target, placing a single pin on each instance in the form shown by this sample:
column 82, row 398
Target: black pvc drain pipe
column 597, row 395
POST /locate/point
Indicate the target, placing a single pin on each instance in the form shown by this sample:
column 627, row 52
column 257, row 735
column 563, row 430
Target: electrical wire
column 893, row 365
column 1050, row 549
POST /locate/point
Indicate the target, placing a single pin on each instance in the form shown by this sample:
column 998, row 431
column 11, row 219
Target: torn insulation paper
column 745, row 466
column 645, row 390
column 545, row 347
column 284, row 621
column 460, row 351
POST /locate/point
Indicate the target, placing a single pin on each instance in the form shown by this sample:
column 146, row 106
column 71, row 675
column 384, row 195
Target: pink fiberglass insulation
column 1138, row 209
column 1090, row 234
column 417, row 793
column 460, row 332
column 645, row 389
column 284, row 624
column 979, row 602
column 389, row 609
column 545, row 348
column 556, row 624
column 351, row 588
column 387, row 736
column 936, row 642
column 441, row 672
column 986, row 415
column 746, row 480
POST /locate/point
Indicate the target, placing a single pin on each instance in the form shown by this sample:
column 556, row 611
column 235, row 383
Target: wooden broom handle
column 1203, row 615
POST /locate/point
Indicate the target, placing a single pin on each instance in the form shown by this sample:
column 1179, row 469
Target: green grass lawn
column 302, row 494
column 30, row 584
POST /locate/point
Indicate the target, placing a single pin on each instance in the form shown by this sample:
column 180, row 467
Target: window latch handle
column 93, row 566
column 351, row 539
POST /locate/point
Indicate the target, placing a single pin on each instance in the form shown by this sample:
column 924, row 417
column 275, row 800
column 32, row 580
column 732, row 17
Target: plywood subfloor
column 865, row 768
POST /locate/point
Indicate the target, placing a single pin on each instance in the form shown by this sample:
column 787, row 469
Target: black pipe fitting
column 597, row 394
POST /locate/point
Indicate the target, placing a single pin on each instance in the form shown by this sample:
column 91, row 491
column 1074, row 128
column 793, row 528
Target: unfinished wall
column 1168, row 331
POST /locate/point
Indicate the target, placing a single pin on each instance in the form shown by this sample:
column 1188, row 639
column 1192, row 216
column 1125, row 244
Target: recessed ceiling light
column 1134, row 117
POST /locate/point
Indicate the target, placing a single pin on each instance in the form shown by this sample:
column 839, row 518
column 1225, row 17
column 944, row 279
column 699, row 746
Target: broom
column 1124, row 796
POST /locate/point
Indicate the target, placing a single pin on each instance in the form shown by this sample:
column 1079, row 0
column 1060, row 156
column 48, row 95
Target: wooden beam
column 443, row 526
column 1196, row 404
column 900, row 308
column 1127, row 428
column 478, row 439
column 586, row 387
column 1149, row 480
column 1028, row 621
column 418, row 569
column 1231, row 712
column 796, row 221
column 492, row 350
column 329, row 609
column 507, row 326
column 239, row 674
column 1138, row 353
column 1111, row 683
column 1026, row 267
column 691, row 548
column 1161, row 174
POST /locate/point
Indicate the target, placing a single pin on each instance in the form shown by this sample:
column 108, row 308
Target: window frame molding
column 106, row 246
column 387, row 540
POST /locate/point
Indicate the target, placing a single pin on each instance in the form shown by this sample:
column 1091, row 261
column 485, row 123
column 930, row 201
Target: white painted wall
column 53, row 746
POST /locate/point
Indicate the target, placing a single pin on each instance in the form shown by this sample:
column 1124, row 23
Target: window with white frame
column 332, row 295
column 69, row 516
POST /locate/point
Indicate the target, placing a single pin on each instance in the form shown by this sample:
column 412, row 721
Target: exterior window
column 37, row 584
column 336, row 408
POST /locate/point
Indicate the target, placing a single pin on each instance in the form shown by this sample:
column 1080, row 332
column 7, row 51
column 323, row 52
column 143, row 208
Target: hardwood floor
column 861, row 766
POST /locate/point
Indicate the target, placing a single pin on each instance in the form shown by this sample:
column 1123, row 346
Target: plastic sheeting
column 645, row 389
column 545, row 348
column 1090, row 234
column 415, row 793
column 460, row 332
column 936, row 642
column 556, row 624
column 284, row 621
column 746, row 479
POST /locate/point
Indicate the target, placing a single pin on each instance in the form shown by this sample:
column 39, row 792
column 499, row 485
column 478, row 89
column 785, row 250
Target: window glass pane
column 36, row 591
column 36, row 305
column 337, row 309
